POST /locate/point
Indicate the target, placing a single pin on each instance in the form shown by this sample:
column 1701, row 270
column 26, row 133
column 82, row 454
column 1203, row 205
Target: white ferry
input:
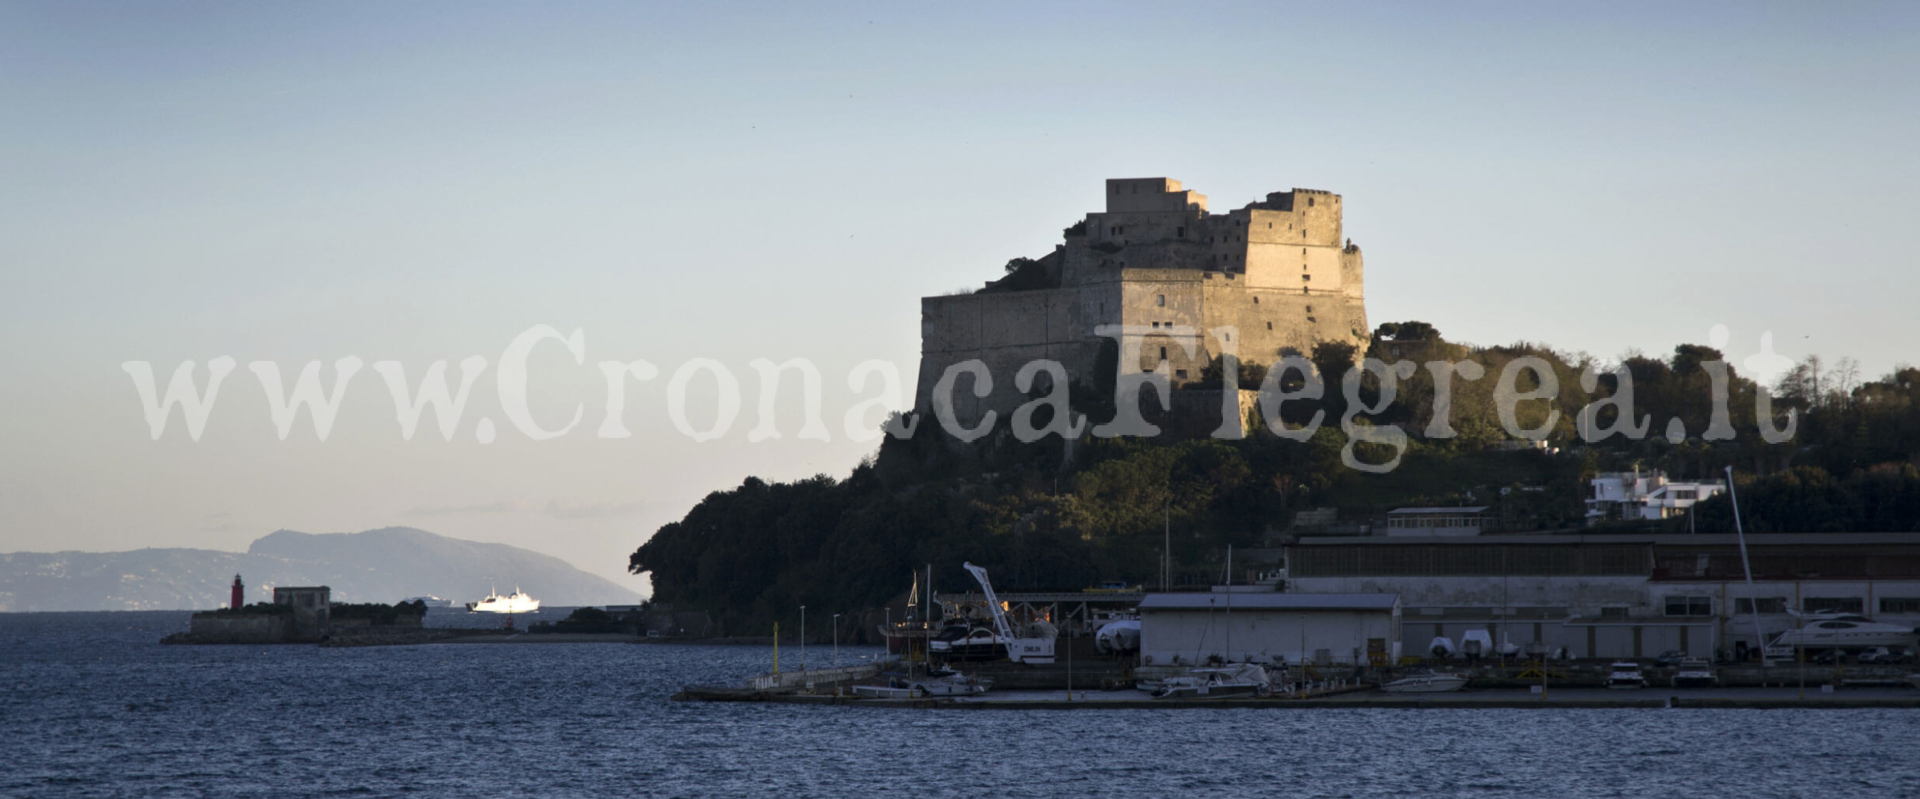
column 517, row 602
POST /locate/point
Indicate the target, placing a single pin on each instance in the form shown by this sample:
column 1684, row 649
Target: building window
column 1768, row 604
column 1306, row 277
column 1900, row 604
column 1309, row 202
column 1163, row 353
column 1613, row 613
column 1161, row 300
column 1180, row 232
column 1256, row 301
column 1180, row 373
column 1689, row 606
column 1269, row 325
column 1156, row 325
column 1311, row 320
column 1309, row 309
column 1229, row 336
column 1833, row 604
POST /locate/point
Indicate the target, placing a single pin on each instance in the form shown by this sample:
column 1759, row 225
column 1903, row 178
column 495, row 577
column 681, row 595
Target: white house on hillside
column 1644, row 496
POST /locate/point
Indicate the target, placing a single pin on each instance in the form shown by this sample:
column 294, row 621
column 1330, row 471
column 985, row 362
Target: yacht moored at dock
column 1844, row 631
column 1246, row 679
column 939, row 683
column 1425, row 682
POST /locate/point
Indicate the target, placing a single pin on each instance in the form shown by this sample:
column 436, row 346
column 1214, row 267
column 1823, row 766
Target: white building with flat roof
column 1265, row 627
column 1644, row 496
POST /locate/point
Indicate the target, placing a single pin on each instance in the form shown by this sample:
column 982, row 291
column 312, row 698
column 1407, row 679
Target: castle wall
column 1006, row 331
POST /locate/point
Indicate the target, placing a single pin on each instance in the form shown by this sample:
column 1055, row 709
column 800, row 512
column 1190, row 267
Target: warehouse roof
column 1274, row 601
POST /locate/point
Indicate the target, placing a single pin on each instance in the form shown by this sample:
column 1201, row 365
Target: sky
column 425, row 182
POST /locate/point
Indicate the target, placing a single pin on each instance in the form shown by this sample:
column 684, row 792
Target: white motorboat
column 1695, row 673
column 1626, row 674
column 1245, row 679
column 939, row 683
column 1848, row 631
column 1425, row 682
column 516, row 602
column 428, row 600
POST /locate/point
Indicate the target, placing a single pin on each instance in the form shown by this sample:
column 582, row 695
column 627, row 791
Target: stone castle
column 1279, row 272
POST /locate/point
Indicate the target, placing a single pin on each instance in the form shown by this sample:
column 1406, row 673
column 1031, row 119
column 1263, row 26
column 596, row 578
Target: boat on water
column 1844, row 631
column 939, row 683
column 1695, row 673
column 1626, row 674
column 516, row 602
column 1245, row 679
column 1425, row 682
column 428, row 600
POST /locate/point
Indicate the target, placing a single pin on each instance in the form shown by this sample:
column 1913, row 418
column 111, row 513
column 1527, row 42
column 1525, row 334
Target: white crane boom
column 1000, row 624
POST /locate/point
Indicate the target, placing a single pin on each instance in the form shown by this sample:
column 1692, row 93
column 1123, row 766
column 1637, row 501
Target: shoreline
column 1365, row 698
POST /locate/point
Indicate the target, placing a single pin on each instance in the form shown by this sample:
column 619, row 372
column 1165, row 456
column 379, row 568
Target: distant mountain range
column 384, row 565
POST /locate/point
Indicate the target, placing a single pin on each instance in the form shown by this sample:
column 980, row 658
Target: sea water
column 94, row 706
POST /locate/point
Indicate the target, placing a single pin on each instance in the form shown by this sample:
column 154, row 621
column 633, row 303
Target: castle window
column 1180, row 232
column 1156, row 325
column 1161, row 300
column 1311, row 320
column 1163, row 353
column 1180, row 373
column 1256, row 301
column 1309, row 202
column 1229, row 336
column 1306, row 277
column 1269, row 325
column 1309, row 309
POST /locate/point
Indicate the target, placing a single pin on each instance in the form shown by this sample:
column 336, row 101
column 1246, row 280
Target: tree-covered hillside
column 1046, row 515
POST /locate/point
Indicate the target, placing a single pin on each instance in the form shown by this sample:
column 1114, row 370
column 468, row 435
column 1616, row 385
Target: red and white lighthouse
column 239, row 593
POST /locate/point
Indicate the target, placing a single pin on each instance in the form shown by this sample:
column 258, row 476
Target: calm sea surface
column 95, row 707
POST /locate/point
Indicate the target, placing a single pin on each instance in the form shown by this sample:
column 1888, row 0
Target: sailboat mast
column 1753, row 596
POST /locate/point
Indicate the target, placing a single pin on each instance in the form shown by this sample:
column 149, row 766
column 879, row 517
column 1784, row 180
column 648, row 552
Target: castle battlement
column 1277, row 271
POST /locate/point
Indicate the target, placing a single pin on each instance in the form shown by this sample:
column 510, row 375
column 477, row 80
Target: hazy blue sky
column 416, row 182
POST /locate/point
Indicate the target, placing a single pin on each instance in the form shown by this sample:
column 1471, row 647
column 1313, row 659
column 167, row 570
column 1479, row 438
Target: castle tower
column 1273, row 278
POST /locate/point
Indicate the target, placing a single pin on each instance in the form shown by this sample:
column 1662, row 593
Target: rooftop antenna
column 1753, row 596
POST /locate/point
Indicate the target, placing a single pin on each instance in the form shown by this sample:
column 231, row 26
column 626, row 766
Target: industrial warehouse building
column 1254, row 624
column 1610, row 596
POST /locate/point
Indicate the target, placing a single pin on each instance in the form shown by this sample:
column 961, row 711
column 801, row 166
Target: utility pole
column 1166, row 547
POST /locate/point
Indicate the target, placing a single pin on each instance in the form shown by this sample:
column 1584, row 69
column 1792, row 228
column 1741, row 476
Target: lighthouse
column 239, row 593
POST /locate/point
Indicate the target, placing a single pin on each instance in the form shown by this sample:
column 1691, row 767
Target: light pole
column 836, row 640
column 803, row 639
